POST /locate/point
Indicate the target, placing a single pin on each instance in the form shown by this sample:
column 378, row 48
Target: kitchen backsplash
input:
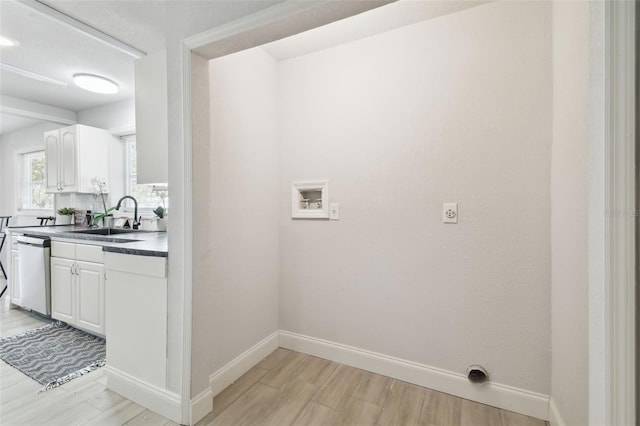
column 81, row 201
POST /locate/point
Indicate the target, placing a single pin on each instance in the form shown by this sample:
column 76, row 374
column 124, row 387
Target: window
column 148, row 196
column 34, row 187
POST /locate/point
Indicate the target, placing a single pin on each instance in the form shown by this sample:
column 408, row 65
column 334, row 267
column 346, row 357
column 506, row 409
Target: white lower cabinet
column 78, row 286
column 62, row 290
column 137, row 312
column 90, row 279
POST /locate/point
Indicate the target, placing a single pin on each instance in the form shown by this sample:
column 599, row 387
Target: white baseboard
column 155, row 399
column 201, row 405
column 502, row 396
column 555, row 419
column 228, row 374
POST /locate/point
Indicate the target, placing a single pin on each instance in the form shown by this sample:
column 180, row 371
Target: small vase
column 161, row 225
column 63, row 219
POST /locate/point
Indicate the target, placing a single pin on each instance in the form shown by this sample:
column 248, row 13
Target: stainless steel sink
column 106, row 231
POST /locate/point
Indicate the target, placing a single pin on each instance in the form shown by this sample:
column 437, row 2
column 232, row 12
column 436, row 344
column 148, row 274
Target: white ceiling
column 55, row 50
column 52, row 49
column 372, row 22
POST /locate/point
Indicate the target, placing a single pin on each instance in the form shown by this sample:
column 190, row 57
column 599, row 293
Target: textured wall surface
column 236, row 257
column 569, row 184
column 454, row 109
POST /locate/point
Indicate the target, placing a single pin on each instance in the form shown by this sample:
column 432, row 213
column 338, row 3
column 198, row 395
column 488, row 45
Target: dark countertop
column 142, row 243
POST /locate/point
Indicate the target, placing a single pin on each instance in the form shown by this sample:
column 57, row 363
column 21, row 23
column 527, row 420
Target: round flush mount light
column 95, row 83
column 8, row 42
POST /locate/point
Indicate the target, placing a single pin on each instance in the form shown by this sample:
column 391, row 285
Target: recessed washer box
column 310, row 199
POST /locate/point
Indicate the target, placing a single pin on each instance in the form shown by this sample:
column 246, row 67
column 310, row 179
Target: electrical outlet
column 450, row 213
column 334, row 211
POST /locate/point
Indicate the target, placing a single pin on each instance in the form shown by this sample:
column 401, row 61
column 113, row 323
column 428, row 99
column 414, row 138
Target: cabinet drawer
column 59, row 249
column 89, row 253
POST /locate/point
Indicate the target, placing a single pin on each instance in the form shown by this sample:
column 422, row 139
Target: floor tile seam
column 235, row 399
column 381, row 409
column 328, row 379
column 299, row 413
column 313, row 397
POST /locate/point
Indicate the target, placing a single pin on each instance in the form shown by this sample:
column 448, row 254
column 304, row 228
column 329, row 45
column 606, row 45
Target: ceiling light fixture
column 30, row 74
column 8, row 42
column 95, row 83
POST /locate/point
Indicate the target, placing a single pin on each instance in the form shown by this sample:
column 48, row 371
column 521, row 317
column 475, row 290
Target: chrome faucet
column 136, row 222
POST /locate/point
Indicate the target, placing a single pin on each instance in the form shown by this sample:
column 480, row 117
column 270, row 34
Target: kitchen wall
column 236, row 257
column 455, row 109
column 117, row 117
column 114, row 117
column 11, row 146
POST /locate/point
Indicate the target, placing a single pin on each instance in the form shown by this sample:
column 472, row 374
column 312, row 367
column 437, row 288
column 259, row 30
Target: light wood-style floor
column 83, row 401
column 286, row 388
column 290, row 388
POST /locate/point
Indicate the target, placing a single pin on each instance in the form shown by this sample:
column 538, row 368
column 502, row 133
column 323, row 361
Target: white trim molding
column 555, row 419
column 187, row 229
column 495, row 394
column 620, row 215
column 82, row 28
column 161, row 401
column 228, row 374
column 202, row 404
column 27, row 109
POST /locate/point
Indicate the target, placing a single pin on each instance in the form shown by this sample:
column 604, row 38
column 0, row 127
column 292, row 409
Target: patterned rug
column 54, row 354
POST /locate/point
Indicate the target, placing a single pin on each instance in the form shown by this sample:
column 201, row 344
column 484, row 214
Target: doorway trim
column 617, row 384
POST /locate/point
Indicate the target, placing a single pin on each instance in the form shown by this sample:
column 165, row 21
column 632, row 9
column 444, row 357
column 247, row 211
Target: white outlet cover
column 334, row 211
column 450, row 213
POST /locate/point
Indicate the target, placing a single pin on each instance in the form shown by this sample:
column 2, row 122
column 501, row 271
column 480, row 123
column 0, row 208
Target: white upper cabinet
column 152, row 134
column 74, row 155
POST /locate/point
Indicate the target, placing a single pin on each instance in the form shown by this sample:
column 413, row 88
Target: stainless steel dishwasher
column 34, row 271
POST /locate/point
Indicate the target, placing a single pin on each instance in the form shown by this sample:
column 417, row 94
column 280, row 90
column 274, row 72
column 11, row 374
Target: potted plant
column 103, row 217
column 161, row 214
column 64, row 215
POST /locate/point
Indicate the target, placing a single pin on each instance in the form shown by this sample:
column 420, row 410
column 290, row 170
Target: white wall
column 185, row 23
column 599, row 365
column 114, row 116
column 569, row 212
column 468, row 121
column 11, row 146
column 455, row 109
column 236, row 262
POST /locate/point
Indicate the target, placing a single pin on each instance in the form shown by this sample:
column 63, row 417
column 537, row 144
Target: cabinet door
column 69, row 155
column 62, row 290
column 90, row 291
column 14, row 279
column 52, row 160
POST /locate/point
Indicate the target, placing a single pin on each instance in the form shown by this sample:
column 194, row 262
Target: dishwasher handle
column 34, row 241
